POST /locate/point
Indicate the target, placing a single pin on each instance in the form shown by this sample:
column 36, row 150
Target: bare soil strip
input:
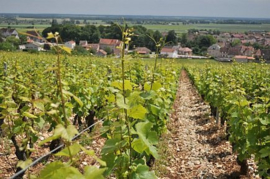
column 195, row 147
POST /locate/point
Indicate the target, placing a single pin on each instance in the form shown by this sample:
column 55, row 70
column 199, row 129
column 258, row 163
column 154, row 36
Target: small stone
column 41, row 138
column 84, row 163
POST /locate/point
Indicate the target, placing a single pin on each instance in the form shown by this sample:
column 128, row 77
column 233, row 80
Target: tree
column 54, row 23
column 236, row 42
column 90, row 33
column 53, row 29
column 79, row 50
column 14, row 41
column 205, row 40
column 7, row 46
column 171, row 37
column 138, row 40
column 157, row 35
column 112, row 32
column 71, row 32
column 183, row 39
column 23, row 38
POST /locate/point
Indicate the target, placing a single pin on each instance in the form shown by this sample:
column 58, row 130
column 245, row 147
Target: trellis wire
column 57, row 148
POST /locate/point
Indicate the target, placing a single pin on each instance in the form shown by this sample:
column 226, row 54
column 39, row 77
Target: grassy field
column 221, row 27
column 162, row 28
column 23, row 27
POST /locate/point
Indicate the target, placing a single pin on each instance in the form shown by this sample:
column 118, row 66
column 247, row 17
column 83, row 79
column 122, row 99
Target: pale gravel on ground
column 195, row 147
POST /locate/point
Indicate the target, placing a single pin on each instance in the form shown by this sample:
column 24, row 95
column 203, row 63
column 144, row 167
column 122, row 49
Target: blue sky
column 213, row 8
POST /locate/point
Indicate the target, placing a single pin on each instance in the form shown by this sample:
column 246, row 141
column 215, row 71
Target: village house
column 22, row 47
column 238, row 36
column 94, row 47
column 7, row 32
column 247, row 50
column 84, row 44
column 142, row 50
column 248, row 41
column 34, row 36
column 169, row 52
column 111, row 44
column 33, row 46
column 185, row 51
column 266, row 55
column 243, row 59
column 214, row 51
column 101, row 53
column 70, row 44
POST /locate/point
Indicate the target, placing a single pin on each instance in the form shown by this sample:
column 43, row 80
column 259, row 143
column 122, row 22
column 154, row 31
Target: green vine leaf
column 148, row 138
column 92, row 172
column 119, row 85
column 56, row 170
column 142, row 172
column 66, row 49
column 137, row 112
column 24, row 164
column 156, row 86
column 74, row 150
column 27, row 114
column 120, row 101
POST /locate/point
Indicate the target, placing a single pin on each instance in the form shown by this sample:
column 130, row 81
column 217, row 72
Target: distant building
column 101, row 53
column 243, row 59
column 94, row 47
column 185, row 51
column 22, row 47
column 83, row 43
column 247, row 50
column 7, row 32
column 266, row 54
column 214, row 51
column 258, row 54
column 142, row 50
column 70, row 44
column 33, row 46
column 111, row 44
column 169, row 52
column 34, row 36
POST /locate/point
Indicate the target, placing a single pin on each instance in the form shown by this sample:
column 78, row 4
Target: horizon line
column 22, row 13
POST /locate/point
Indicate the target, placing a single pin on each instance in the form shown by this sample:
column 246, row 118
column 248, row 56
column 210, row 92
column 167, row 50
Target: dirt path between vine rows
column 194, row 147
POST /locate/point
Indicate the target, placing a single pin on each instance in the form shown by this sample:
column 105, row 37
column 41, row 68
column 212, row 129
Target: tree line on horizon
column 143, row 37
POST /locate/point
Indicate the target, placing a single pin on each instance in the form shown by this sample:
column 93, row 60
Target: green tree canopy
column 14, row 41
column 7, row 46
column 172, row 37
column 183, row 39
column 235, row 42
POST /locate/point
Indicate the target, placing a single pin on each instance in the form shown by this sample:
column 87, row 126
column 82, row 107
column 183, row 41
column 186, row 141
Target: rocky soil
column 195, row 146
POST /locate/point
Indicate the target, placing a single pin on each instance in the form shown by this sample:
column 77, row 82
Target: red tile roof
column 94, row 46
column 185, row 49
column 250, row 58
column 142, row 50
column 102, row 52
column 167, row 50
column 109, row 41
column 72, row 42
column 240, row 57
column 258, row 52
